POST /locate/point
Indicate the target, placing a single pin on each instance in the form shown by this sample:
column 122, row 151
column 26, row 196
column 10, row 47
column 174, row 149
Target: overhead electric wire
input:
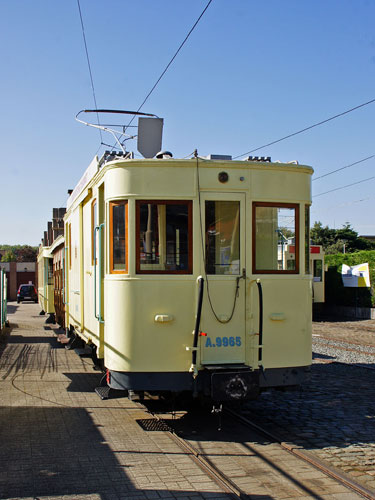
column 171, row 61
column 89, row 65
column 307, row 128
column 343, row 187
column 351, row 202
column 342, row 168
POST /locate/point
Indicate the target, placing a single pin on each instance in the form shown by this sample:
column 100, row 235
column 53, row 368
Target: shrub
column 336, row 293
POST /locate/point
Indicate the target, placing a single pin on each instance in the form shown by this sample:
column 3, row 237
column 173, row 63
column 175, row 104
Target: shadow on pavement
column 60, row 451
column 11, row 308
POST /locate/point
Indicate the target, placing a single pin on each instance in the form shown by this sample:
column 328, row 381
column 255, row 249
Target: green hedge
column 336, row 293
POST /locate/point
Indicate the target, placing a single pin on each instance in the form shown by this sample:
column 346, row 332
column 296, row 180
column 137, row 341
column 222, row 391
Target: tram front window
column 118, row 236
column 164, row 235
column 223, row 237
column 275, row 238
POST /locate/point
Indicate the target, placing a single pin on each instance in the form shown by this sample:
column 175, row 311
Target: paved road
column 333, row 416
column 60, row 441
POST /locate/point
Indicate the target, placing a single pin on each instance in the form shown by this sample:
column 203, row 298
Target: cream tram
column 45, row 281
column 317, row 271
column 51, row 258
column 173, row 273
column 316, row 266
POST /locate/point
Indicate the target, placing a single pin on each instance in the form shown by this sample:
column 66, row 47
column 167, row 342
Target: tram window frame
column 50, row 272
column 307, row 239
column 318, row 270
column 189, row 205
column 296, row 208
column 113, row 204
column 222, row 235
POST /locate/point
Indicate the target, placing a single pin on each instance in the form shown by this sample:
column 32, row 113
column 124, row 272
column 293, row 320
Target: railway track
column 206, row 450
column 309, row 458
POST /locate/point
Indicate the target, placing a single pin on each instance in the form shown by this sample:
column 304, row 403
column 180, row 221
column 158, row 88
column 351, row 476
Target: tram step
column 103, row 392
column 62, row 338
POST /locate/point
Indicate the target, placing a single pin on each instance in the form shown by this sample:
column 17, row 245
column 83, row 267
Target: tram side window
column 318, row 270
column 50, row 272
column 164, row 237
column 275, row 238
column 118, row 222
column 222, row 237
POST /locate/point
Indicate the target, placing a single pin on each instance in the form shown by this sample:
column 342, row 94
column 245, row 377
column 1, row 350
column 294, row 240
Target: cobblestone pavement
column 60, row 441
column 333, row 415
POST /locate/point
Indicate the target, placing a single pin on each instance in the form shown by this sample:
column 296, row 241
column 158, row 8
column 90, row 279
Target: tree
column 20, row 253
column 344, row 240
column 26, row 253
column 320, row 235
column 9, row 256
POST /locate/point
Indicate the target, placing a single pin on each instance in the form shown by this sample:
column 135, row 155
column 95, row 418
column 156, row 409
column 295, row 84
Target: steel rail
column 307, row 457
column 223, row 481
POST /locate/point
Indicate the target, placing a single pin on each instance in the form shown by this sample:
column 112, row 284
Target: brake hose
column 198, row 320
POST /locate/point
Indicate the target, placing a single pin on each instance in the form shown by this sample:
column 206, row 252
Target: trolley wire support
column 116, row 134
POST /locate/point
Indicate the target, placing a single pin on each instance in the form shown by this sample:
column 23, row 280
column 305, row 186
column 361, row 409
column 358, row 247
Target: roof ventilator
column 115, row 155
column 266, row 159
column 164, row 155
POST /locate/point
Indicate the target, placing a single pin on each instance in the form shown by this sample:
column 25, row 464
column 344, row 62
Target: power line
column 171, row 61
column 343, row 187
column 307, row 128
column 89, row 65
column 342, row 168
column 352, row 202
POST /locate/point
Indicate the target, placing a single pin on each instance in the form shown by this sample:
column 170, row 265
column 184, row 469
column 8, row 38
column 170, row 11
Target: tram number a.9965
column 223, row 342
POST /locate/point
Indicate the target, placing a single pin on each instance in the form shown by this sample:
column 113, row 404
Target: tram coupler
column 218, row 411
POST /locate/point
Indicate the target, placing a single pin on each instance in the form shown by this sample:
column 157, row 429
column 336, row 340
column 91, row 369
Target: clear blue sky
column 251, row 72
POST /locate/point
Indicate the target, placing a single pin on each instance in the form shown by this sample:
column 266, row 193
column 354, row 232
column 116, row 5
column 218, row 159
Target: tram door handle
column 98, row 232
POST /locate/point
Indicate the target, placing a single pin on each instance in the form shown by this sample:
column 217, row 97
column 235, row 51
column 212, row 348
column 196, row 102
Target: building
column 18, row 273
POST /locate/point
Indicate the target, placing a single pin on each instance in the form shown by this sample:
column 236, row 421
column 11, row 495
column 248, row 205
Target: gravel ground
column 354, row 332
column 343, row 352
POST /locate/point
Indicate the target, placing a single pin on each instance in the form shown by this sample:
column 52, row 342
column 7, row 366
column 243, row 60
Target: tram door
column 223, row 313
column 90, row 211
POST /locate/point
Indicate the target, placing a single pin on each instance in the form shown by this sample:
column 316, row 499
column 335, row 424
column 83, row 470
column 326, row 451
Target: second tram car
column 51, row 262
column 45, row 281
column 173, row 273
column 317, row 271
